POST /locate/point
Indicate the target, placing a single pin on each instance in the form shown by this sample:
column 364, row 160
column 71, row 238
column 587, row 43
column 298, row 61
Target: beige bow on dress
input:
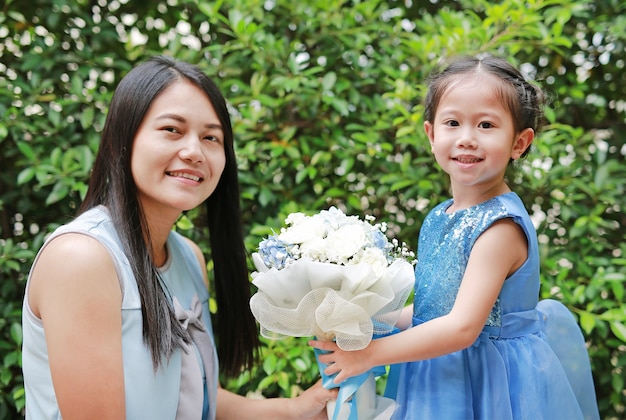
column 191, row 399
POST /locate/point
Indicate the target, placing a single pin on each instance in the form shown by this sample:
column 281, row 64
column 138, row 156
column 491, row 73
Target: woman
column 116, row 319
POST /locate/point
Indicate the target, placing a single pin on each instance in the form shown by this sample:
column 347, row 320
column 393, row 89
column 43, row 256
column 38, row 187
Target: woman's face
column 178, row 152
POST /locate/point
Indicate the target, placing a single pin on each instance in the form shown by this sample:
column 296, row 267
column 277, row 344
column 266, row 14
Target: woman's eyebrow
column 179, row 118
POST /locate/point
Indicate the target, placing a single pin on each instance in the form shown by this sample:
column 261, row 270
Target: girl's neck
column 465, row 197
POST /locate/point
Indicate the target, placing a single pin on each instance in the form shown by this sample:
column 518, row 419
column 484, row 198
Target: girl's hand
column 345, row 364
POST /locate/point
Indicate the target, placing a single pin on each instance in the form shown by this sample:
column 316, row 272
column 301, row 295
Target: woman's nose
column 191, row 149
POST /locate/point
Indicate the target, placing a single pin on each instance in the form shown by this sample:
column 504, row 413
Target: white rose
column 374, row 257
column 346, row 241
column 305, row 230
column 295, row 218
column 315, row 249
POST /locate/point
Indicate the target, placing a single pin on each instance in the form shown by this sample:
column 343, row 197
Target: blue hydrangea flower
column 274, row 252
column 380, row 240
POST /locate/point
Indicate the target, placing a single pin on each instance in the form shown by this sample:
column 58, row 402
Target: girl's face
column 473, row 136
column 178, row 151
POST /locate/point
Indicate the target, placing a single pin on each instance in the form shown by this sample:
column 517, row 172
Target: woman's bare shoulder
column 72, row 266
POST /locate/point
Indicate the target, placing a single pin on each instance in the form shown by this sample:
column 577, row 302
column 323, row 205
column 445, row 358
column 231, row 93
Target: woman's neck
column 160, row 228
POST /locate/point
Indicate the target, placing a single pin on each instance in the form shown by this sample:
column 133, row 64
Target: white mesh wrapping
column 346, row 303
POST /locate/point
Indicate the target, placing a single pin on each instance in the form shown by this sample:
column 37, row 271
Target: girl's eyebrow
column 176, row 117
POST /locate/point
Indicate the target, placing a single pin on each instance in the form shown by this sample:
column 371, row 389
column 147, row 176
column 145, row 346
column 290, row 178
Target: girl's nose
column 467, row 139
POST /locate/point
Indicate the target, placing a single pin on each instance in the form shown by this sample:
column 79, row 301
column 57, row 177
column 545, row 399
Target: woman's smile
column 181, row 140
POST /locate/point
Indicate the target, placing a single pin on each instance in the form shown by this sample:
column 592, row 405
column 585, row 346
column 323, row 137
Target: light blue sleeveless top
column 149, row 394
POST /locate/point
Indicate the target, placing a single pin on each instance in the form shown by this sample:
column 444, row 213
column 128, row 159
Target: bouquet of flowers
column 335, row 277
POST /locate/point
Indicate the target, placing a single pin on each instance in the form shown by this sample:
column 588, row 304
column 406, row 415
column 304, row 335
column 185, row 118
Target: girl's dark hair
column 112, row 185
column 525, row 101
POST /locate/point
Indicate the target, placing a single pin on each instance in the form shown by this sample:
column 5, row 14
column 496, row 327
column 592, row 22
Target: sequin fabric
column 445, row 243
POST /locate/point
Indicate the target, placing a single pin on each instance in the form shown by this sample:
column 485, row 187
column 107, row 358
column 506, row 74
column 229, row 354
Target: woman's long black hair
column 112, row 185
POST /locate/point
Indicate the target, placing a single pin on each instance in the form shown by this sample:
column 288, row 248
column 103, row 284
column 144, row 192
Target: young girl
column 479, row 344
column 116, row 319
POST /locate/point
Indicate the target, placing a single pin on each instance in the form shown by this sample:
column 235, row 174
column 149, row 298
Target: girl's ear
column 522, row 142
column 430, row 132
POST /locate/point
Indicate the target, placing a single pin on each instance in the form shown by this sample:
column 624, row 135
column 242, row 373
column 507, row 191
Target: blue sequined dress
column 529, row 362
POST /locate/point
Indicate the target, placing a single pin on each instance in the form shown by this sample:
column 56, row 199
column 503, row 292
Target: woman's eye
column 212, row 139
column 171, row 129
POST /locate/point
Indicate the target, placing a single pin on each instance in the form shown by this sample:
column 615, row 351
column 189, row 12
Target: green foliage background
column 326, row 103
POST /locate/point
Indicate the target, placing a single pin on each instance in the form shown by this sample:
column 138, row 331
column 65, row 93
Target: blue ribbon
column 348, row 388
column 391, row 390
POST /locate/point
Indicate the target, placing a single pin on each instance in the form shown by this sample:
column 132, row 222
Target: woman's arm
column 490, row 263
column 75, row 291
column 311, row 404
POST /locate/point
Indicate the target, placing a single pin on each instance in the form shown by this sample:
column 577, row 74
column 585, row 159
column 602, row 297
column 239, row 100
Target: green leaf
column 86, row 117
column 300, row 365
column 16, row 333
column 283, row 380
column 11, row 359
column 26, row 150
column 184, row 223
column 329, row 80
column 617, row 381
column 265, row 197
column 26, row 175
column 54, row 117
column 405, row 131
column 59, row 191
column 587, row 321
column 269, row 364
column 619, row 329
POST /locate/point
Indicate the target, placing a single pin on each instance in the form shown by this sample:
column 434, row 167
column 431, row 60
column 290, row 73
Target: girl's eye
column 485, row 125
column 452, row 123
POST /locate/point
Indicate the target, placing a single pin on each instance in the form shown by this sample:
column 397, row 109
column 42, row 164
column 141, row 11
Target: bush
column 326, row 103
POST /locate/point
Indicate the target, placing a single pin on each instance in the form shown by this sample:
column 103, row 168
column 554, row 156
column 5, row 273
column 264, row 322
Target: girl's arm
column 74, row 290
column 311, row 404
column 490, row 263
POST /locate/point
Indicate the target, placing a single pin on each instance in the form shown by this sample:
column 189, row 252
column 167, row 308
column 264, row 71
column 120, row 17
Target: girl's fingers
column 323, row 345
